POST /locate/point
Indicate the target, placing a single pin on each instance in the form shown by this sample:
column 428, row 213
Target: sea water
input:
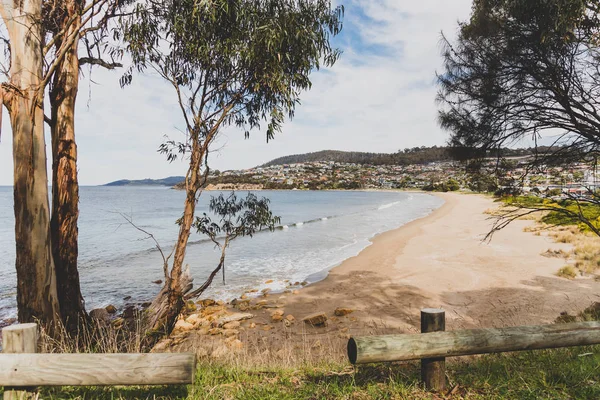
column 318, row 230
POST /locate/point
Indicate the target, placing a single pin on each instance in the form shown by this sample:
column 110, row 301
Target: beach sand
column 439, row 261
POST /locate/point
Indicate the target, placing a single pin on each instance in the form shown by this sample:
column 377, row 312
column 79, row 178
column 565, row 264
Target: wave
column 389, row 205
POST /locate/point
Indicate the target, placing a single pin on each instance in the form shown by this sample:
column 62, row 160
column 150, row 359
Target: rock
column 276, row 317
column 206, row 302
column 182, row 326
column 234, row 317
column 252, row 325
column 253, row 291
column 267, row 328
column 127, row 298
column 344, row 329
column 342, row 311
column 290, row 318
column 244, row 307
column 232, row 325
column 304, row 283
column 100, row 315
column 295, row 291
column 277, row 312
column 129, row 312
column 158, row 282
column 230, row 332
column 243, row 297
column 193, row 319
column 269, row 281
column 214, row 331
column 265, row 291
column 209, row 310
column 111, row 309
column 262, row 303
column 220, row 303
column 316, row 319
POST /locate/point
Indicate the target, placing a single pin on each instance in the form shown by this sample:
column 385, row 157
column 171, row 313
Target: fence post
column 21, row 338
column 433, row 370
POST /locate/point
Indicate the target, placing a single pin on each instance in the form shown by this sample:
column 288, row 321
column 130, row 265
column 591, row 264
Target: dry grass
column 94, row 338
column 568, row 272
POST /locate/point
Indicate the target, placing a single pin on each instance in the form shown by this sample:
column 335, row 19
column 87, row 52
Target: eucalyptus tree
column 241, row 63
column 235, row 218
column 69, row 25
column 42, row 47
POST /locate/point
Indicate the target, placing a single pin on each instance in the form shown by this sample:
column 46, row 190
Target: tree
column 43, row 39
column 68, row 24
column 230, row 62
column 525, row 69
column 237, row 218
column 22, row 96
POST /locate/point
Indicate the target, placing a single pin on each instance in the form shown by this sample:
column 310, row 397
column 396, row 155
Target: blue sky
column 379, row 97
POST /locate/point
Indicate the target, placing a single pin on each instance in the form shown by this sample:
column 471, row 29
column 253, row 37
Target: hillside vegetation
column 415, row 155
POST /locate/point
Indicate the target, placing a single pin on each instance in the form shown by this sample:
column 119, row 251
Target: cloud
column 379, row 97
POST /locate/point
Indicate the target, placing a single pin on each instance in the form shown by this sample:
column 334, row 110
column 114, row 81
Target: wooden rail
column 21, row 367
column 438, row 345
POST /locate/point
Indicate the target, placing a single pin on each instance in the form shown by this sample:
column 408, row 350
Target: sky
column 379, row 97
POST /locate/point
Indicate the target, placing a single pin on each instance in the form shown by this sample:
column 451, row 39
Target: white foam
column 324, row 219
column 299, row 223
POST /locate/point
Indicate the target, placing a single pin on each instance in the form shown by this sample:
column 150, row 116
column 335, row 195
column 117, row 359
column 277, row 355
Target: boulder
column 232, row 325
column 193, row 319
column 158, row 282
column 317, row 319
column 233, row 318
column 182, row 326
column 100, row 315
column 230, row 332
column 111, row 309
column 342, row 311
column 206, row 302
column 276, row 317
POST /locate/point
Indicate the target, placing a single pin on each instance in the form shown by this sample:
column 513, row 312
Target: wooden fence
column 21, row 367
column 434, row 344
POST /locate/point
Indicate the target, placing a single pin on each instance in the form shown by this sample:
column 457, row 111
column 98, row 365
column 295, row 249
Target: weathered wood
column 433, row 370
column 369, row 349
column 96, row 369
column 19, row 339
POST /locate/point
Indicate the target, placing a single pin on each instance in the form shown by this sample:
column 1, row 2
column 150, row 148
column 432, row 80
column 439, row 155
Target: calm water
column 321, row 229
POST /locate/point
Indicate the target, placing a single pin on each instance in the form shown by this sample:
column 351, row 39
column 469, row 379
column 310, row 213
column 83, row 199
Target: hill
column 170, row 181
column 412, row 156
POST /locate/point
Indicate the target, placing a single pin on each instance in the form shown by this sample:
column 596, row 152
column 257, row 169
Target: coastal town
column 491, row 176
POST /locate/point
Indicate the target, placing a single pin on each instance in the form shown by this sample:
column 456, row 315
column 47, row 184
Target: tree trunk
column 65, row 187
column 170, row 301
column 23, row 97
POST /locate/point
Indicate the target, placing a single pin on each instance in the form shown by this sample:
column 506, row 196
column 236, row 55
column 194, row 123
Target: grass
column 572, row 373
column 568, row 271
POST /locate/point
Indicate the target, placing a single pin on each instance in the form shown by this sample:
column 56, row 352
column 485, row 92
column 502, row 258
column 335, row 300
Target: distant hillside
column 415, row 155
column 170, row 181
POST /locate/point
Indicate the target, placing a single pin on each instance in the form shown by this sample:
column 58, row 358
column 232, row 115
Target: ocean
column 319, row 230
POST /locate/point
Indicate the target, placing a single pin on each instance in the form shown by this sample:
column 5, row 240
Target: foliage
column 236, row 218
column 450, row 185
column 408, row 156
column 522, row 69
column 232, row 62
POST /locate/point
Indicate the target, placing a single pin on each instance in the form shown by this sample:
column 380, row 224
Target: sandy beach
column 438, row 261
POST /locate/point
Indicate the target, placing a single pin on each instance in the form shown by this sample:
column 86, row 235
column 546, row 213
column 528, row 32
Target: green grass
column 572, row 373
